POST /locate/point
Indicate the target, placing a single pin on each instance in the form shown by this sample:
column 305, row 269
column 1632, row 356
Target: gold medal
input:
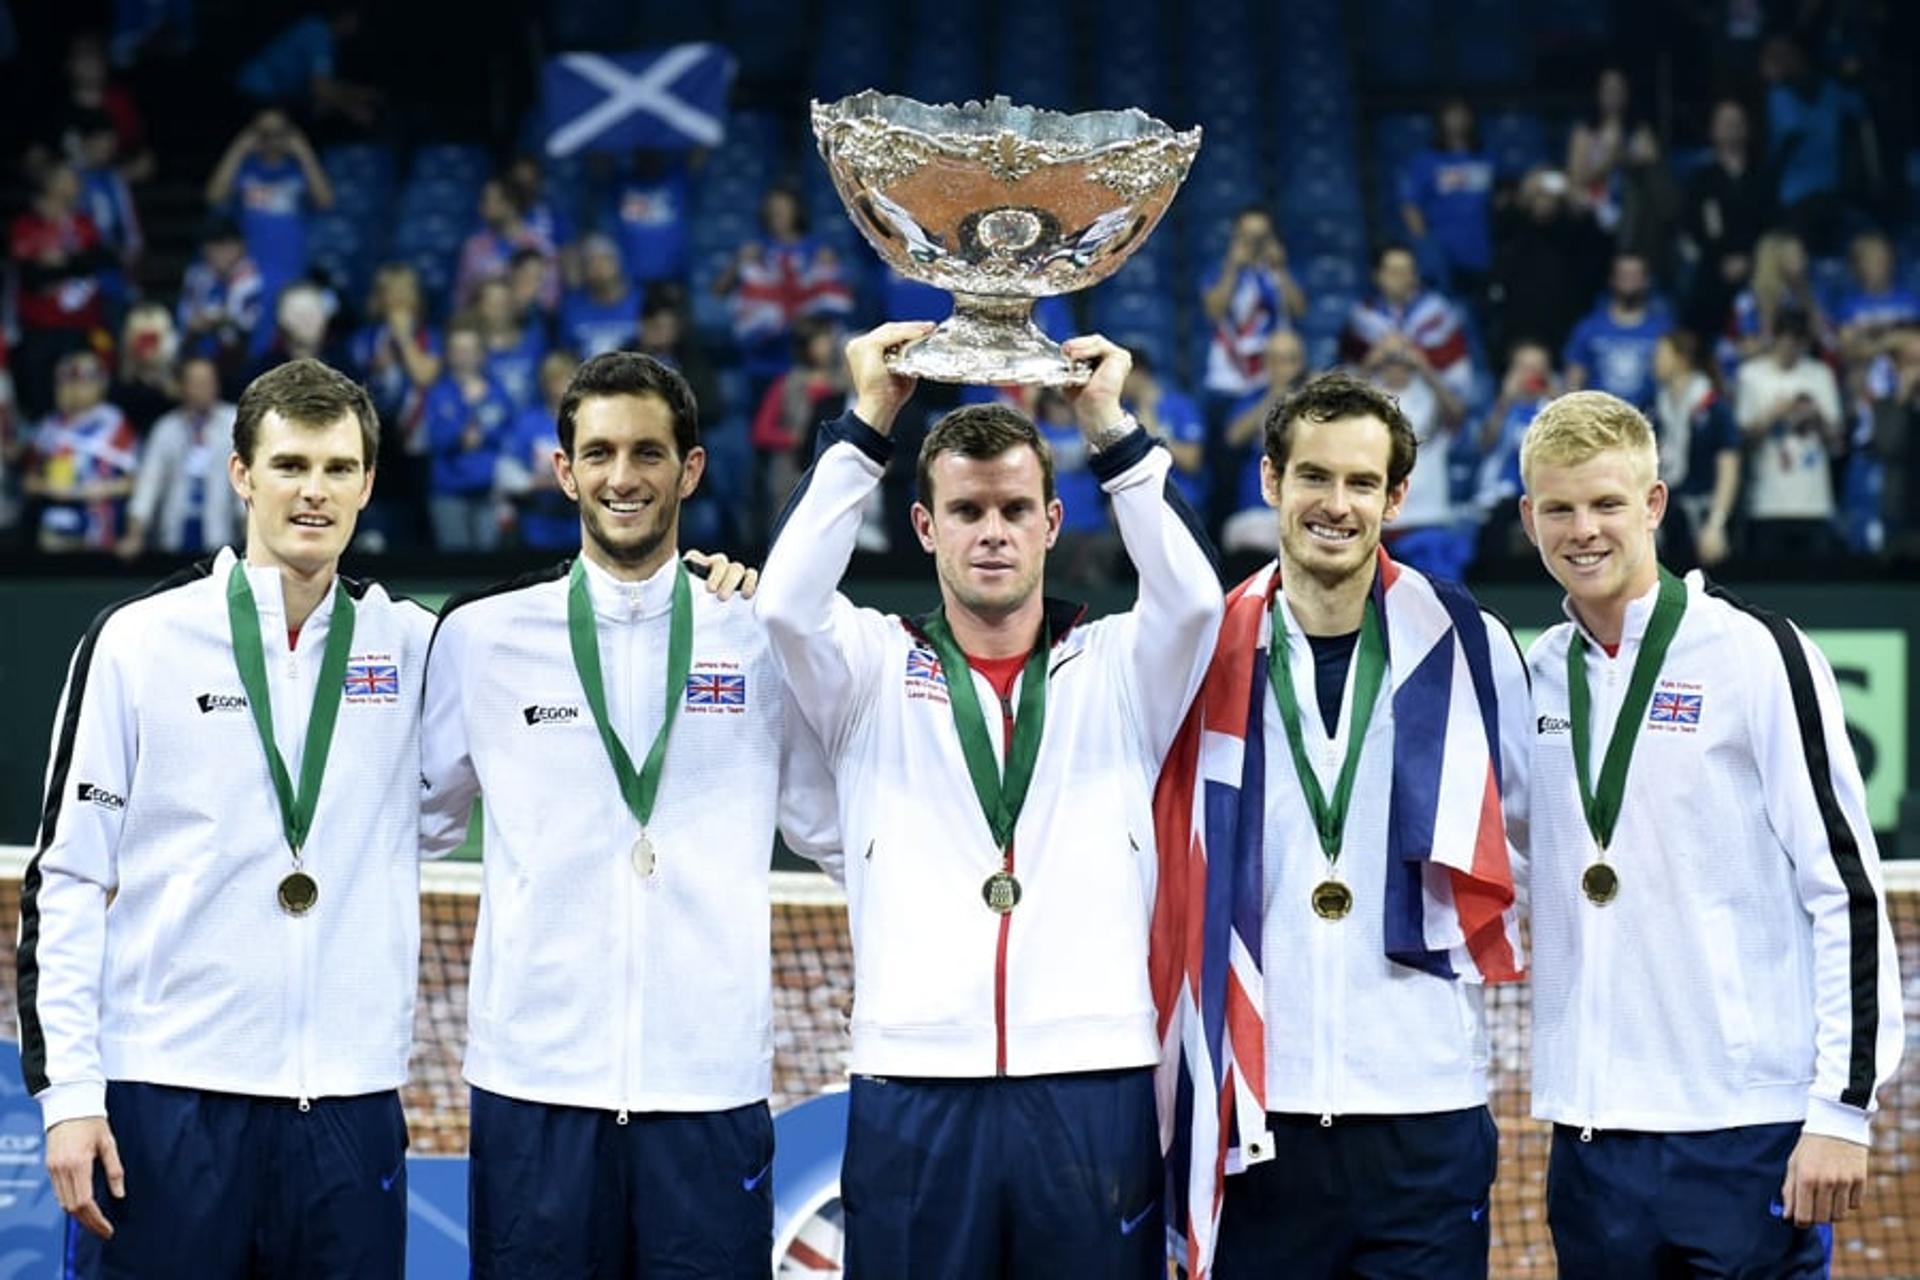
column 1001, row 891
column 298, row 892
column 645, row 861
column 1332, row 900
column 1600, row 883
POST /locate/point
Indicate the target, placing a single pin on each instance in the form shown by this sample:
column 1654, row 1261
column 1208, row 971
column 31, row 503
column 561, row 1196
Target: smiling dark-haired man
column 235, row 763
column 633, row 745
column 1353, row 770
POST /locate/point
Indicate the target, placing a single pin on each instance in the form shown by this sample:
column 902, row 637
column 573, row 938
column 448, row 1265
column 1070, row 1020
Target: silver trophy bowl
column 999, row 205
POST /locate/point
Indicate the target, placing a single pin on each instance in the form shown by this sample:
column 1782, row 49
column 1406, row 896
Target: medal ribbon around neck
column 1370, row 659
column 249, row 654
column 1001, row 797
column 637, row 789
column 1603, row 807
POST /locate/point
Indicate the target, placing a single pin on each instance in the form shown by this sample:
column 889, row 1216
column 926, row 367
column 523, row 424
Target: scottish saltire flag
column 1448, row 897
column 671, row 99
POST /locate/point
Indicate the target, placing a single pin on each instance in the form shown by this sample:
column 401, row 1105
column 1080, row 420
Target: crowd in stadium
column 1743, row 274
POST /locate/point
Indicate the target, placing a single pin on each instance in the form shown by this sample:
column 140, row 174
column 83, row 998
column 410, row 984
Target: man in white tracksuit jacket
column 220, row 927
column 1715, row 993
column 1000, row 875
column 632, row 744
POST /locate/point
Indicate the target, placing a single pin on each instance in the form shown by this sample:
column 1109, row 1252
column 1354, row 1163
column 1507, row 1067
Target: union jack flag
column 922, row 665
column 716, row 689
column 372, row 680
column 1675, row 708
column 1449, row 899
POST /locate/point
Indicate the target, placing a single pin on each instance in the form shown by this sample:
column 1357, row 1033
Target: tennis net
column 813, row 995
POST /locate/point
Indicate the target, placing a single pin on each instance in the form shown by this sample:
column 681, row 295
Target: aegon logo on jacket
column 221, row 702
column 551, row 715
column 88, row 793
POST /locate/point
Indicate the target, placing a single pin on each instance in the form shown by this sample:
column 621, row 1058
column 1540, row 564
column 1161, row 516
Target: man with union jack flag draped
column 1341, row 811
column 1715, row 996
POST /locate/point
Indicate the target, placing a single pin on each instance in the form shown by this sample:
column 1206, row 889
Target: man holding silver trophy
column 995, row 757
column 995, row 761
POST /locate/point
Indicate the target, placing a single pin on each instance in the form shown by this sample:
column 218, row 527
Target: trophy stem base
column 991, row 341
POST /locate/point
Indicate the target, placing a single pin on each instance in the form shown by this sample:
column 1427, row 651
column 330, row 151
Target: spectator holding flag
column 1400, row 307
column 776, row 280
column 504, row 234
column 80, row 465
column 1249, row 298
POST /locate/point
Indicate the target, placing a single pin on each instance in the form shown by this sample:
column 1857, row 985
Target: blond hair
column 1579, row 426
column 1773, row 286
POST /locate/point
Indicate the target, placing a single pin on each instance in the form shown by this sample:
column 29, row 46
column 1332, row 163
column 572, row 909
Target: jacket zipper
column 629, row 891
column 302, row 951
column 1597, row 942
column 1006, row 918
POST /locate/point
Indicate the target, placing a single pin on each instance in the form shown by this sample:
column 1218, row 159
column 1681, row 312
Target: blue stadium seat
column 1397, row 137
column 439, row 197
column 1490, row 46
column 1310, row 194
column 1910, row 270
column 1327, row 273
column 765, row 35
column 1048, row 85
column 364, row 164
column 454, row 162
column 1830, row 278
column 1570, row 22
column 1399, row 40
column 1328, row 312
column 1517, row 141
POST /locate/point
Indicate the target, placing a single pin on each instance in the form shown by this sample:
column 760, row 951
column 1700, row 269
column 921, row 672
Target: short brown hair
column 309, row 393
column 1581, row 425
column 1332, row 397
column 982, row 431
column 629, row 373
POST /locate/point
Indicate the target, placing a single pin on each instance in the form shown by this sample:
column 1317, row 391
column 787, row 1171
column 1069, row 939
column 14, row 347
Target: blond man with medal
column 994, row 761
column 234, row 768
column 1344, row 811
column 1715, row 993
column 631, row 743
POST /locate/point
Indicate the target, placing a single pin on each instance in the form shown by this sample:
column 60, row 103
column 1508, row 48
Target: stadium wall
column 1866, row 630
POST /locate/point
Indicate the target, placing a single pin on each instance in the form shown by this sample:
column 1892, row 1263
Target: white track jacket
column 159, row 801
column 1745, row 972
column 593, row 986
column 943, row 986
